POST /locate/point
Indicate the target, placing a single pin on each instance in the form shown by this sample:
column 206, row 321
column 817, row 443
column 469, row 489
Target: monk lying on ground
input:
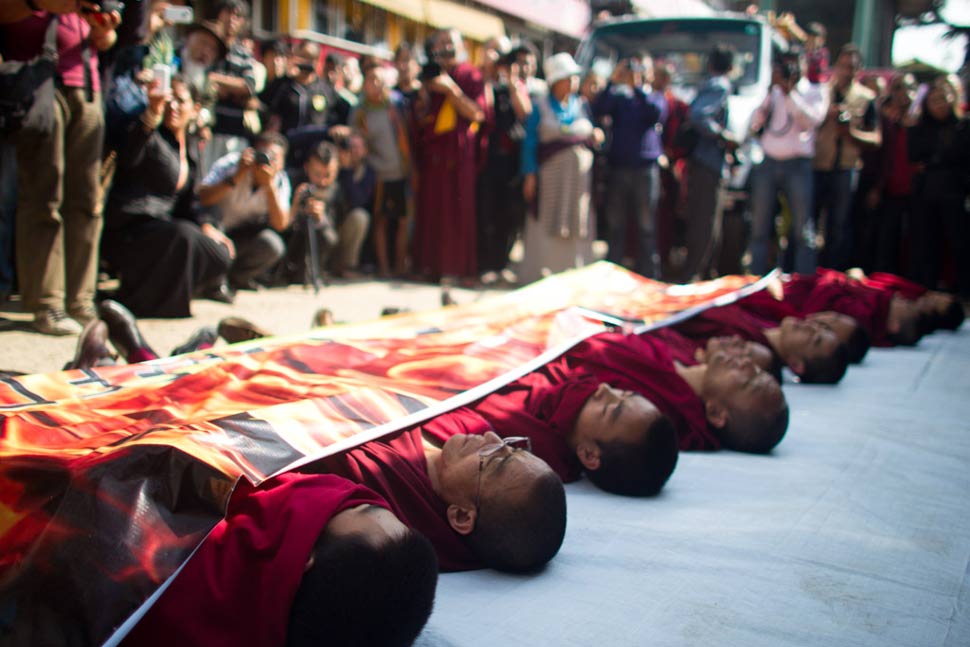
column 808, row 347
column 299, row 560
column 480, row 502
column 618, row 407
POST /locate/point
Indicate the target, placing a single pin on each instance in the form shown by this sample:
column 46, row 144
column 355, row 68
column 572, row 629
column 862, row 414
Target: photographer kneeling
column 150, row 238
column 249, row 197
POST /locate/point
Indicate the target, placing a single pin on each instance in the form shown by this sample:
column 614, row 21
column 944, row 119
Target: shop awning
column 474, row 24
column 410, row 9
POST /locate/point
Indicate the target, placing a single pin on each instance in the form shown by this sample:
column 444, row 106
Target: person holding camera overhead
column 248, row 197
column 151, row 237
column 850, row 127
column 58, row 221
column 787, row 121
column 447, row 114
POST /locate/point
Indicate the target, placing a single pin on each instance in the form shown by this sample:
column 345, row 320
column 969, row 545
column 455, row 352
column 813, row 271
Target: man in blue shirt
column 637, row 114
column 707, row 118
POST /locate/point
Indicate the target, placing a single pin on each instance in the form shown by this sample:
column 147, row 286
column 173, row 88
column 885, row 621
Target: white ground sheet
column 856, row 531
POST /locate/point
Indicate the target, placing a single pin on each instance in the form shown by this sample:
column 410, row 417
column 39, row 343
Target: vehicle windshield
column 684, row 43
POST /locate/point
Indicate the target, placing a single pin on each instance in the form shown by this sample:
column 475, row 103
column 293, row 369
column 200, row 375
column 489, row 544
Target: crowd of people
column 211, row 164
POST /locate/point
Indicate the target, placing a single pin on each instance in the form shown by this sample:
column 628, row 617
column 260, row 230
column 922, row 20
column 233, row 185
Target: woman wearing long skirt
column 557, row 164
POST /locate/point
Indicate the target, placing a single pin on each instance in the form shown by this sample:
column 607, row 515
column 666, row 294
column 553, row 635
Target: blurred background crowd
column 189, row 159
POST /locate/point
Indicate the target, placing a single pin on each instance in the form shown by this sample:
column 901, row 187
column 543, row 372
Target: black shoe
column 237, row 329
column 204, row 337
column 247, row 284
column 220, row 292
column 123, row 330
column 92, row 346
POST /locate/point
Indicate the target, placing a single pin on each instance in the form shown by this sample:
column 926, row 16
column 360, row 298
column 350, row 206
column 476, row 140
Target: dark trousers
column 258, row 249
column 501, row 213
column 633, row 194
column 884, row 231
column 162, row 264
column 940, row 223
column 703, row 221
column 833, row 202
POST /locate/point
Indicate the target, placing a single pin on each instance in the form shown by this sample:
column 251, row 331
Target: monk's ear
column 797, row 364
column 461, row 518
column 716, row 413
column 700, row 355
column 588, row 453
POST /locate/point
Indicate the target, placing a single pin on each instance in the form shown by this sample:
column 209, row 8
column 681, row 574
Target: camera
column 105, row 6
column 430, row 70
column 261, row 158
column 178, row 15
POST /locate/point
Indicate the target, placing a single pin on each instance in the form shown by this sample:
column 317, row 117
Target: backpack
column 27, row 89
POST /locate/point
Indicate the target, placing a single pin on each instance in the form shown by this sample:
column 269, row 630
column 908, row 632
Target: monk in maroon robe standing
column 299, row 558
column 480, row 503
column 446, row 121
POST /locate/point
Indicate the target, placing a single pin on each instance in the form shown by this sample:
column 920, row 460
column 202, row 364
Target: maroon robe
column 397, row 469
column 544, row 404
column 832, row 290
column 765, row 306
column 238, row 587
column 682, row 348
column 645, row 365
column 727, row 320
column 896, row 284
column 445, row 228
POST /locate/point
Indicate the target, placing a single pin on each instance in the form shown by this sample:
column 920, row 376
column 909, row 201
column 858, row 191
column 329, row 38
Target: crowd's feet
column 92, row 347
column 124, row 333
column 236, row 329
column 322, row 318
column 55, row 322
column 220, row 292
column 202, row 339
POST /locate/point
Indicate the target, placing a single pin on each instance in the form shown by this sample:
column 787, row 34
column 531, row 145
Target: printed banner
column 110, row 477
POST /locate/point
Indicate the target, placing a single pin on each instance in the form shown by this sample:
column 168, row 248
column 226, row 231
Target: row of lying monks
column 315, row 557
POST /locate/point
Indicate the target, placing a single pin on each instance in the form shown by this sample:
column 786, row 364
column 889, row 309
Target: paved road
column 280, row 310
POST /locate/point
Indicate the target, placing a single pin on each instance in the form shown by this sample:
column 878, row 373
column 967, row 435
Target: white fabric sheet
column 855, row 531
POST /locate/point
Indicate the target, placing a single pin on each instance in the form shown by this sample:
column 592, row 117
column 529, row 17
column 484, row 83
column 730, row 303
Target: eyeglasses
column 513, row 442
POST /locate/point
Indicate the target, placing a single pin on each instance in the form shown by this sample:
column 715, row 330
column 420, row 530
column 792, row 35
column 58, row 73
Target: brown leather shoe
column 237, row 329
column 123, row 331
column 92, row 346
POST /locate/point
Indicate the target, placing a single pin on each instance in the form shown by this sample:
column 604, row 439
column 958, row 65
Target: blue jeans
column 833, row 201
column 633, row 193
column 794, row 177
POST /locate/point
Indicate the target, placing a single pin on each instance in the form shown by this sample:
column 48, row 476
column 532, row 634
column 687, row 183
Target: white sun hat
column 560, row 66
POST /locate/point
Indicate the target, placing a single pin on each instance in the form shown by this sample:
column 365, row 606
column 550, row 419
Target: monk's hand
column 529, row 187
